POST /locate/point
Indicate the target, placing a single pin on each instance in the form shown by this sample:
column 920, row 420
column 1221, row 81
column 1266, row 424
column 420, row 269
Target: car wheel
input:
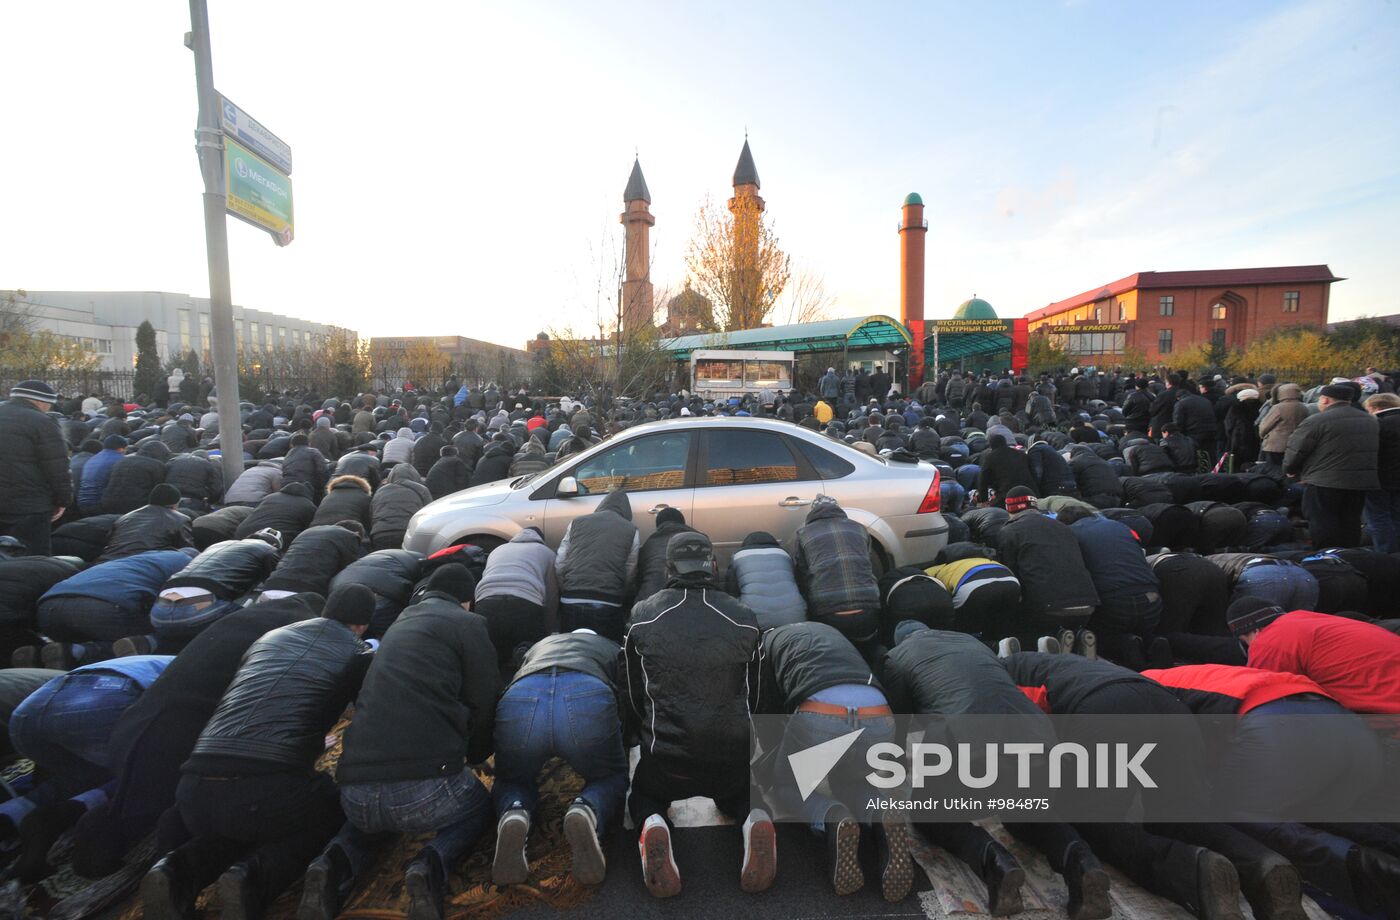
column 485, row 542
column 878, row 563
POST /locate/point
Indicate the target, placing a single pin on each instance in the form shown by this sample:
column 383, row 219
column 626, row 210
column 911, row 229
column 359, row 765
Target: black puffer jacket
column 179, row 437
column 1145, row 458
column 228, row 570
column 1336, row 448
column 288, row 511
column 494, row 463
column 218, row 526
column 199, row 479
column 24, row 580
column 314, row 558
column 306, row 465
column 150, row 527
column 291, row 688
column 85, row 538
column 1195, row 416
column 651, row 560
column 1051, row 470
column 1098, row 482
column 133, row 478
column 1045, row 558
column 935, row 671
column 448, row 475
column 391, row 574
column 803, row 659
column 470, row 447
column 362, row 463
column 34, row 474
column 692, row 661
column 347, row 499
column 396, row 501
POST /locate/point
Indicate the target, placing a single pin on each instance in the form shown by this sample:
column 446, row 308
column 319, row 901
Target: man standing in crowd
column 35, row 485
column 1333, row 453
column 1383, row 505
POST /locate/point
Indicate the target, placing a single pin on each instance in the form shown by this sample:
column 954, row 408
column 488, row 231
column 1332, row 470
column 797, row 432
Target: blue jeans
column 1383, row 517
column 564, row 714
column 1283, row 584
column 846, row 780
column 184, row 619
column 65, row 727
column 457, row 807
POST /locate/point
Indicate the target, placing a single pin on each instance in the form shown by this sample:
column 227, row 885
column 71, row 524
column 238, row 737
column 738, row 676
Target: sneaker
column 760, row 852
column 659, row 870
column 1008, row 647
column 511, row 867
column 896, row 865
column 238, row 893
column 58, row 656
column 132, row 645
column 843, row 851
column 426, row 883
column 1086, row 644
column 581, row 830
column 320, row 892
column 1066, row 637
column 26, row 656
column 1048, row 645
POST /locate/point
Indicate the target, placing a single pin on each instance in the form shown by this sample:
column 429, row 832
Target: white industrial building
column 105, row 322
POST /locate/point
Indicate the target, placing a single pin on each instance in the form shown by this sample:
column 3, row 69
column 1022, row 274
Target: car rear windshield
column 827, row 464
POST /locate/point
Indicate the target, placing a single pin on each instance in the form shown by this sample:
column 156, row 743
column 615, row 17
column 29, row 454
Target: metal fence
column 70, row 383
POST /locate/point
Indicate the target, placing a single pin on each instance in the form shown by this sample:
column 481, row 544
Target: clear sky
column 459, row 166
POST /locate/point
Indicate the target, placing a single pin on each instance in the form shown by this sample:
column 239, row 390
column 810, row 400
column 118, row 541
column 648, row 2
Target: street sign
column 257, row 191
column 242, row 127
column 956, row 326
column 1086, row 327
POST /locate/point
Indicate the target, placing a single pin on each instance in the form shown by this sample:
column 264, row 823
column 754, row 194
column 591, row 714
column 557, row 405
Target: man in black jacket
column 425, row 713
column 1057, row 592
column 651, row 559
column 1003, row 469
column 940, row 673
column 317, row 556
column 35, row 484
column 495, row 461
column 1137, row 409
column 255, row 806
column 811, row 672
column 692, row 659
column 566, row 681
column 305, row 464
column 1383, row 504
column 156, row 735
column 449, row 474
column 155, row 525
column 134, row 476
column 469, row 443
column 1195, row 416
column 288, row 511
column 199, row 479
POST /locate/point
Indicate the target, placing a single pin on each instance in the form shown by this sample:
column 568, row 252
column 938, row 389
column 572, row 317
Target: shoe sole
column 158, row 899
column 234, row 900
column 1066, row 637
column 1218, row 888
column 846, row 874
column 659, row 871
column 1089, row 645
column 316, row 894
column 1093, row 897
column 421, row 903
column 590, row 866
column 511, row 867
column 1283, row 894
column 1008, row 896
column 760, row 857
column 125, row 648
column 897, row 872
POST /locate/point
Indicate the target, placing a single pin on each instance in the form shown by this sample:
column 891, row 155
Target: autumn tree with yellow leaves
column 735, row 260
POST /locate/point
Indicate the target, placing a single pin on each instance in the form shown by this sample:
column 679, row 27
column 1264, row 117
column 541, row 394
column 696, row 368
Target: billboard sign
column 249, row 132
column 258, row 192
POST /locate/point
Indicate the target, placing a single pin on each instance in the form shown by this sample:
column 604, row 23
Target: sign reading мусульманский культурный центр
column 1077, row 768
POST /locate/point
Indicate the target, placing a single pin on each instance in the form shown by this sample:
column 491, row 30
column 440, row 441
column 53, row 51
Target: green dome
column 976, row 308
column 913, row 198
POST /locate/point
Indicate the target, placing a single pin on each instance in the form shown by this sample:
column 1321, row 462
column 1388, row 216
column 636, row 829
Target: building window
column 238, row 331
column 255, row 335
column 1164, row 341
column 204, row 341
column 1217, row 338
column 1290, row 301
column 281, row 336
column 1218, row 311
column 184, row 330
column 1098, row 314
column 1166, row 306
column 1122, row 311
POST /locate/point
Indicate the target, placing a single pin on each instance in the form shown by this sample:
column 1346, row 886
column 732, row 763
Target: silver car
column 728, row 476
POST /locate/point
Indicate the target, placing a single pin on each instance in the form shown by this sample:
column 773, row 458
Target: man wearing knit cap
column 1333, row 453
column 35, row 485
column 256, row 808
column 425, row 715
column 1357, row 663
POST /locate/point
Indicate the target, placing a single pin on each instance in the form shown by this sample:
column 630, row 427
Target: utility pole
column 209, row 145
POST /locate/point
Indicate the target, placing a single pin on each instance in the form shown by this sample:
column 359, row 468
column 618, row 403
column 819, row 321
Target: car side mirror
column 567, row 488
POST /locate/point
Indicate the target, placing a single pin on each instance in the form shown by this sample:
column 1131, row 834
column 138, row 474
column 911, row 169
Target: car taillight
column 933, row 498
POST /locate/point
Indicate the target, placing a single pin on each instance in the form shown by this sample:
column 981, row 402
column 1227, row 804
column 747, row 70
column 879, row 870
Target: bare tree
column 804, row 300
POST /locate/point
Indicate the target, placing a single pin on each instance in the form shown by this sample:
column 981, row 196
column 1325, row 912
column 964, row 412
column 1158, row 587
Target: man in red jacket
column 1356, row 663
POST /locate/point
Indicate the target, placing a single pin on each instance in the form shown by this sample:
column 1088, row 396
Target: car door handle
column 657, row 509
column 792, row 501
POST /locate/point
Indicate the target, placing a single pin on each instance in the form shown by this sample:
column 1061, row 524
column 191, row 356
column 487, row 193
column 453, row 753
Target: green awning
column 966, row 345
column 826, row 335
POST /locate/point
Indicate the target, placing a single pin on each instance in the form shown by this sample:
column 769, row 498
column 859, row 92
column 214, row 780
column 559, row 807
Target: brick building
column 1166, row 313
